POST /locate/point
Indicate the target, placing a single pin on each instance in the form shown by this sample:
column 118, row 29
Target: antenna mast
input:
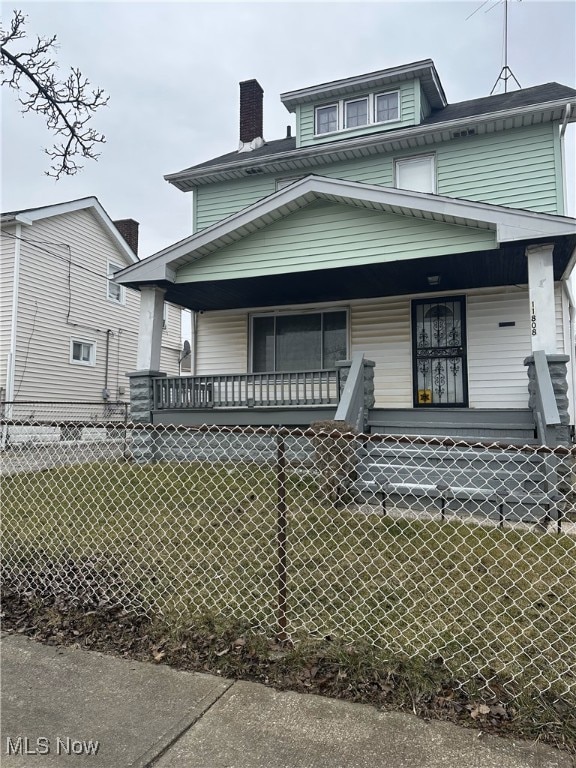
column 505, row 73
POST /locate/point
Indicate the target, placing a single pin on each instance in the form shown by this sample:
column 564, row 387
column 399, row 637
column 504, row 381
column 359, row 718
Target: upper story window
column 115, row 291
column 327, row 119
column 354, row 113
column 387, row 107
column 416, row 173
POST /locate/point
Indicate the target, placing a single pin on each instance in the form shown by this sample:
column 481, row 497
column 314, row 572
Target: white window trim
column 115, row 267
column 326, row 106
column 393, row 119
column 366, row 99
column 280, row 312
column 89, row 342
column 341, row 113
column 424, row 156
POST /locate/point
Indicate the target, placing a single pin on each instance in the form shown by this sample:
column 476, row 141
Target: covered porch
column 452, row 320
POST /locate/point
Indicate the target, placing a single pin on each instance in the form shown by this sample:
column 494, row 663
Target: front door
column 439, row 352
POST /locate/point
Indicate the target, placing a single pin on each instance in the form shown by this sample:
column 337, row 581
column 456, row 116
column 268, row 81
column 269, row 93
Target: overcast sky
column 172, row 73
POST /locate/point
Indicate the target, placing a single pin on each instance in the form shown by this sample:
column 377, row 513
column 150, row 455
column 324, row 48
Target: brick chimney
column 251, row 108
column 128, row 228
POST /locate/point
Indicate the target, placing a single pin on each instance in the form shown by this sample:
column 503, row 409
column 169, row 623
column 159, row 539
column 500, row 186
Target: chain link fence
column 39, row 421
column 431, row 548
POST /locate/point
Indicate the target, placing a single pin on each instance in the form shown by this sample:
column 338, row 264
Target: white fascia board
column 380, row 140
column 291, row 99
column 60, row 209
column 509, row 224
column 570, row 266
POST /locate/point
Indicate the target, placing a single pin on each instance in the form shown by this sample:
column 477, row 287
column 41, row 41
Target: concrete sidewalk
column 55, row 701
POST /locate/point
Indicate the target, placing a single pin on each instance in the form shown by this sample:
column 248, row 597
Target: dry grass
column 188, row 539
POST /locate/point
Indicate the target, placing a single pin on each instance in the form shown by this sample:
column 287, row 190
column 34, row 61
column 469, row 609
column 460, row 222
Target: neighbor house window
column 387, row 107
column 416, row 173
column 303, row 342
column 327, row 119
column 355, row 113
column 82, row 352
column 115, row 291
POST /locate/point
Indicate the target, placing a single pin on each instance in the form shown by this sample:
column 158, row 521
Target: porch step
column 511, row 425
column 471, row 480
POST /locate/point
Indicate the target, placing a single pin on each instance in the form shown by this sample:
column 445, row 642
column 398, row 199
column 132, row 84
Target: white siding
column 382, row 329
column 496, row 373
column 6, row 282
column 63, row 296
column 221, row 343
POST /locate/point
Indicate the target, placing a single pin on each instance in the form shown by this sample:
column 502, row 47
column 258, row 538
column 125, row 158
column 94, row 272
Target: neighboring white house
column 68, row 332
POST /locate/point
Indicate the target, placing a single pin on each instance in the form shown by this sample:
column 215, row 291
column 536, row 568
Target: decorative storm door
column 439, row 352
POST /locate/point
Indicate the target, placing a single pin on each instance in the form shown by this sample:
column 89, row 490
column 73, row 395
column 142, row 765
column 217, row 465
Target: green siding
column 325, row 235
column 217, row 201
column 408, row 116
column 519, row 168
column 514, row 168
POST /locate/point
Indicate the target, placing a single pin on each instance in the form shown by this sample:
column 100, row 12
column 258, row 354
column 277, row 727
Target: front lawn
column 181, row 540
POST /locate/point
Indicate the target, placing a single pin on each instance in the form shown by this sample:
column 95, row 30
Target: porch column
column 541, row 289
column 148, row 357
column 150, row 331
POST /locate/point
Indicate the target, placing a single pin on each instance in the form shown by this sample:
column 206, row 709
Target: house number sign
column 533, row 320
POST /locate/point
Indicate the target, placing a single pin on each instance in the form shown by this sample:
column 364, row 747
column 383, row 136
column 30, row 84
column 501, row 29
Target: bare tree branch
column 67, row 105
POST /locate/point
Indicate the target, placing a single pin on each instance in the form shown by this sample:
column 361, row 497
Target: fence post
column 281, row 535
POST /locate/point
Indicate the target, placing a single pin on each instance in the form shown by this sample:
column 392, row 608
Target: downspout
column 572, row 351
column 105, row 391
column 11, row 368
column 194, row 326
column 11, row 361
column 567, row 114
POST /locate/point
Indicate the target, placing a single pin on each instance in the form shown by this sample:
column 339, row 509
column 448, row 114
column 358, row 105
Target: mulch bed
column 324, row 666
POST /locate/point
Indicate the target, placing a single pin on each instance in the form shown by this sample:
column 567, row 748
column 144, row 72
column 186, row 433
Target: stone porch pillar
column 148, row 358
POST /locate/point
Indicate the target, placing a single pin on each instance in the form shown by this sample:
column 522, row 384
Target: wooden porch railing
column 247, row 390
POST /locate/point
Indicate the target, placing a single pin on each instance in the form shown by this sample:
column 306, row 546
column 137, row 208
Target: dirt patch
column 325, row 666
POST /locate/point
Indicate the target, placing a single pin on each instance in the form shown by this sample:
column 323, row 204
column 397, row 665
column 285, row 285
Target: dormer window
column 327, row 119
column 350, row 114
column 387, row 107
column 356, row 113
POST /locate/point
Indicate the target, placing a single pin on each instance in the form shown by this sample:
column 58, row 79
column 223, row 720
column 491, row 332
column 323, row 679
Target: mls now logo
column 22, row 745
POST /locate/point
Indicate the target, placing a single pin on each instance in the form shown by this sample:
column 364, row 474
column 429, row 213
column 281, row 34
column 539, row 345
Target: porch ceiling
column 504, row 266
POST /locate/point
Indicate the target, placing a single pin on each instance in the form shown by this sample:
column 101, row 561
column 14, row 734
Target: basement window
column 308, row 341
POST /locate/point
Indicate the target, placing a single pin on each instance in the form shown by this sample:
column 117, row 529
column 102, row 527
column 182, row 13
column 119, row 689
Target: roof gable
column 507, row 224
column 29, row 216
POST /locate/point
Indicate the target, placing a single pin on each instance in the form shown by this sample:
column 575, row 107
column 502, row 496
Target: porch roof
column 509, row 226
column 506, row 265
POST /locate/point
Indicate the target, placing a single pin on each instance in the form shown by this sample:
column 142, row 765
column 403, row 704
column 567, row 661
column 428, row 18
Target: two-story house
column 68, row 331
column 424, row 241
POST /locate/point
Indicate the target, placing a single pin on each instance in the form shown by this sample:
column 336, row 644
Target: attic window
column 373, row 109
column 464, row 132
column 356, row 113
column 327, row 119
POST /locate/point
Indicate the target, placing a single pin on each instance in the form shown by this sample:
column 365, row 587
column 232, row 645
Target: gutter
column 565, row 121
column 377, row 140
